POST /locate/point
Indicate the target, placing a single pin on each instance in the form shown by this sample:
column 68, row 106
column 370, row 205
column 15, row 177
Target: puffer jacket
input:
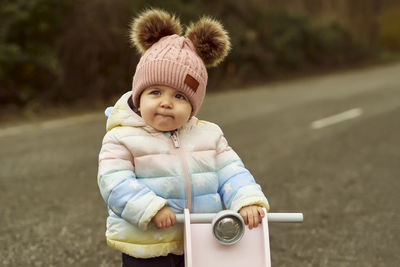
column 141, row 170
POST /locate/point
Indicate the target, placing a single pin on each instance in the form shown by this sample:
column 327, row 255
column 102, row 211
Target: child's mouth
column 165, row 115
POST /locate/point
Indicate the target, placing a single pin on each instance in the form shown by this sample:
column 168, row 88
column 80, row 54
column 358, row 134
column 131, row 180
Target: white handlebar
column 272, row 217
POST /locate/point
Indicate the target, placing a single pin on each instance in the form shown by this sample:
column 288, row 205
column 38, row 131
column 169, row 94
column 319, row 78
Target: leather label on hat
column 191, row 82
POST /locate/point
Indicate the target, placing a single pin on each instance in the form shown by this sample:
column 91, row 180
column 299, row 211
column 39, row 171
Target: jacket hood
column 123, row 115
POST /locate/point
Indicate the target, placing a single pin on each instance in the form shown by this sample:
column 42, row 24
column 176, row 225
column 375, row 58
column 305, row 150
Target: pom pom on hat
column 210, row 40
column 151, row 26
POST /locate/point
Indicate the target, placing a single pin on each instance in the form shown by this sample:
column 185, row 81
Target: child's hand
column 251, row 215
column 164, row 218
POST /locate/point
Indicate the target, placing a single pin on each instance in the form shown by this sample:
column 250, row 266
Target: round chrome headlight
column 228, row 227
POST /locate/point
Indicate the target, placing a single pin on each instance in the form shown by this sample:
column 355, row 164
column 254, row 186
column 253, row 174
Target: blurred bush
column 389, row 29
column 57, row 52
column 28, row 62
column 269, row 43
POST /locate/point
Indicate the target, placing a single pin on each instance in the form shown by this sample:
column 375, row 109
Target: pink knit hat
column 173, row 60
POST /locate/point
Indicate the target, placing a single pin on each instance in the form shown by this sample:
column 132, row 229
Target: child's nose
column 166, row 102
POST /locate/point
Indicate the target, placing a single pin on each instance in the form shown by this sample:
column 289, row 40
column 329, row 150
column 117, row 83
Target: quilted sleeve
column 124, row 195
column 237, row 186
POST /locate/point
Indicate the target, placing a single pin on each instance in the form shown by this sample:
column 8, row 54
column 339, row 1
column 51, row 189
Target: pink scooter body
column 202, row 249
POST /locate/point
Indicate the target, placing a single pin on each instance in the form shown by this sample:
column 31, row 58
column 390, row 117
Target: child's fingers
column 244, row 215
column 173, row 219
column 261, row 212
column 251, row 220
column 170, row 220
column 166, row 222
column 256, row 218
column 161, row 223
column 164, row 218
column 252, row 215
column 258, row 214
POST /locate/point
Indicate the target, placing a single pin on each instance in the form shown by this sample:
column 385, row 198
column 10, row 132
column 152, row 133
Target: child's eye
column 181, row 97
column 154, row 92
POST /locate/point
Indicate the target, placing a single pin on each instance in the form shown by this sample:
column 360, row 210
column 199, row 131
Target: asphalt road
column 326, row 146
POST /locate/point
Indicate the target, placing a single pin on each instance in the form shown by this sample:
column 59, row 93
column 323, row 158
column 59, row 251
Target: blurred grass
column 58, row 53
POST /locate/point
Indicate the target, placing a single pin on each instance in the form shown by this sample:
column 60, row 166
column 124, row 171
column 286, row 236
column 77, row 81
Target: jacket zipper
column 174, row 137
column 180, row 154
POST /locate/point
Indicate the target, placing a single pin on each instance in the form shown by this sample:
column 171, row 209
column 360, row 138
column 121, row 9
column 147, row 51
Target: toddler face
column 164, row 108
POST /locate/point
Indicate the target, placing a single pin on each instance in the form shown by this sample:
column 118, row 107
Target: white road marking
column 347, row 115
column 57, row 123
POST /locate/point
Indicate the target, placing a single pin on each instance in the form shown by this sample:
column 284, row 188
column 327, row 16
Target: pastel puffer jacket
column 141, row 170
